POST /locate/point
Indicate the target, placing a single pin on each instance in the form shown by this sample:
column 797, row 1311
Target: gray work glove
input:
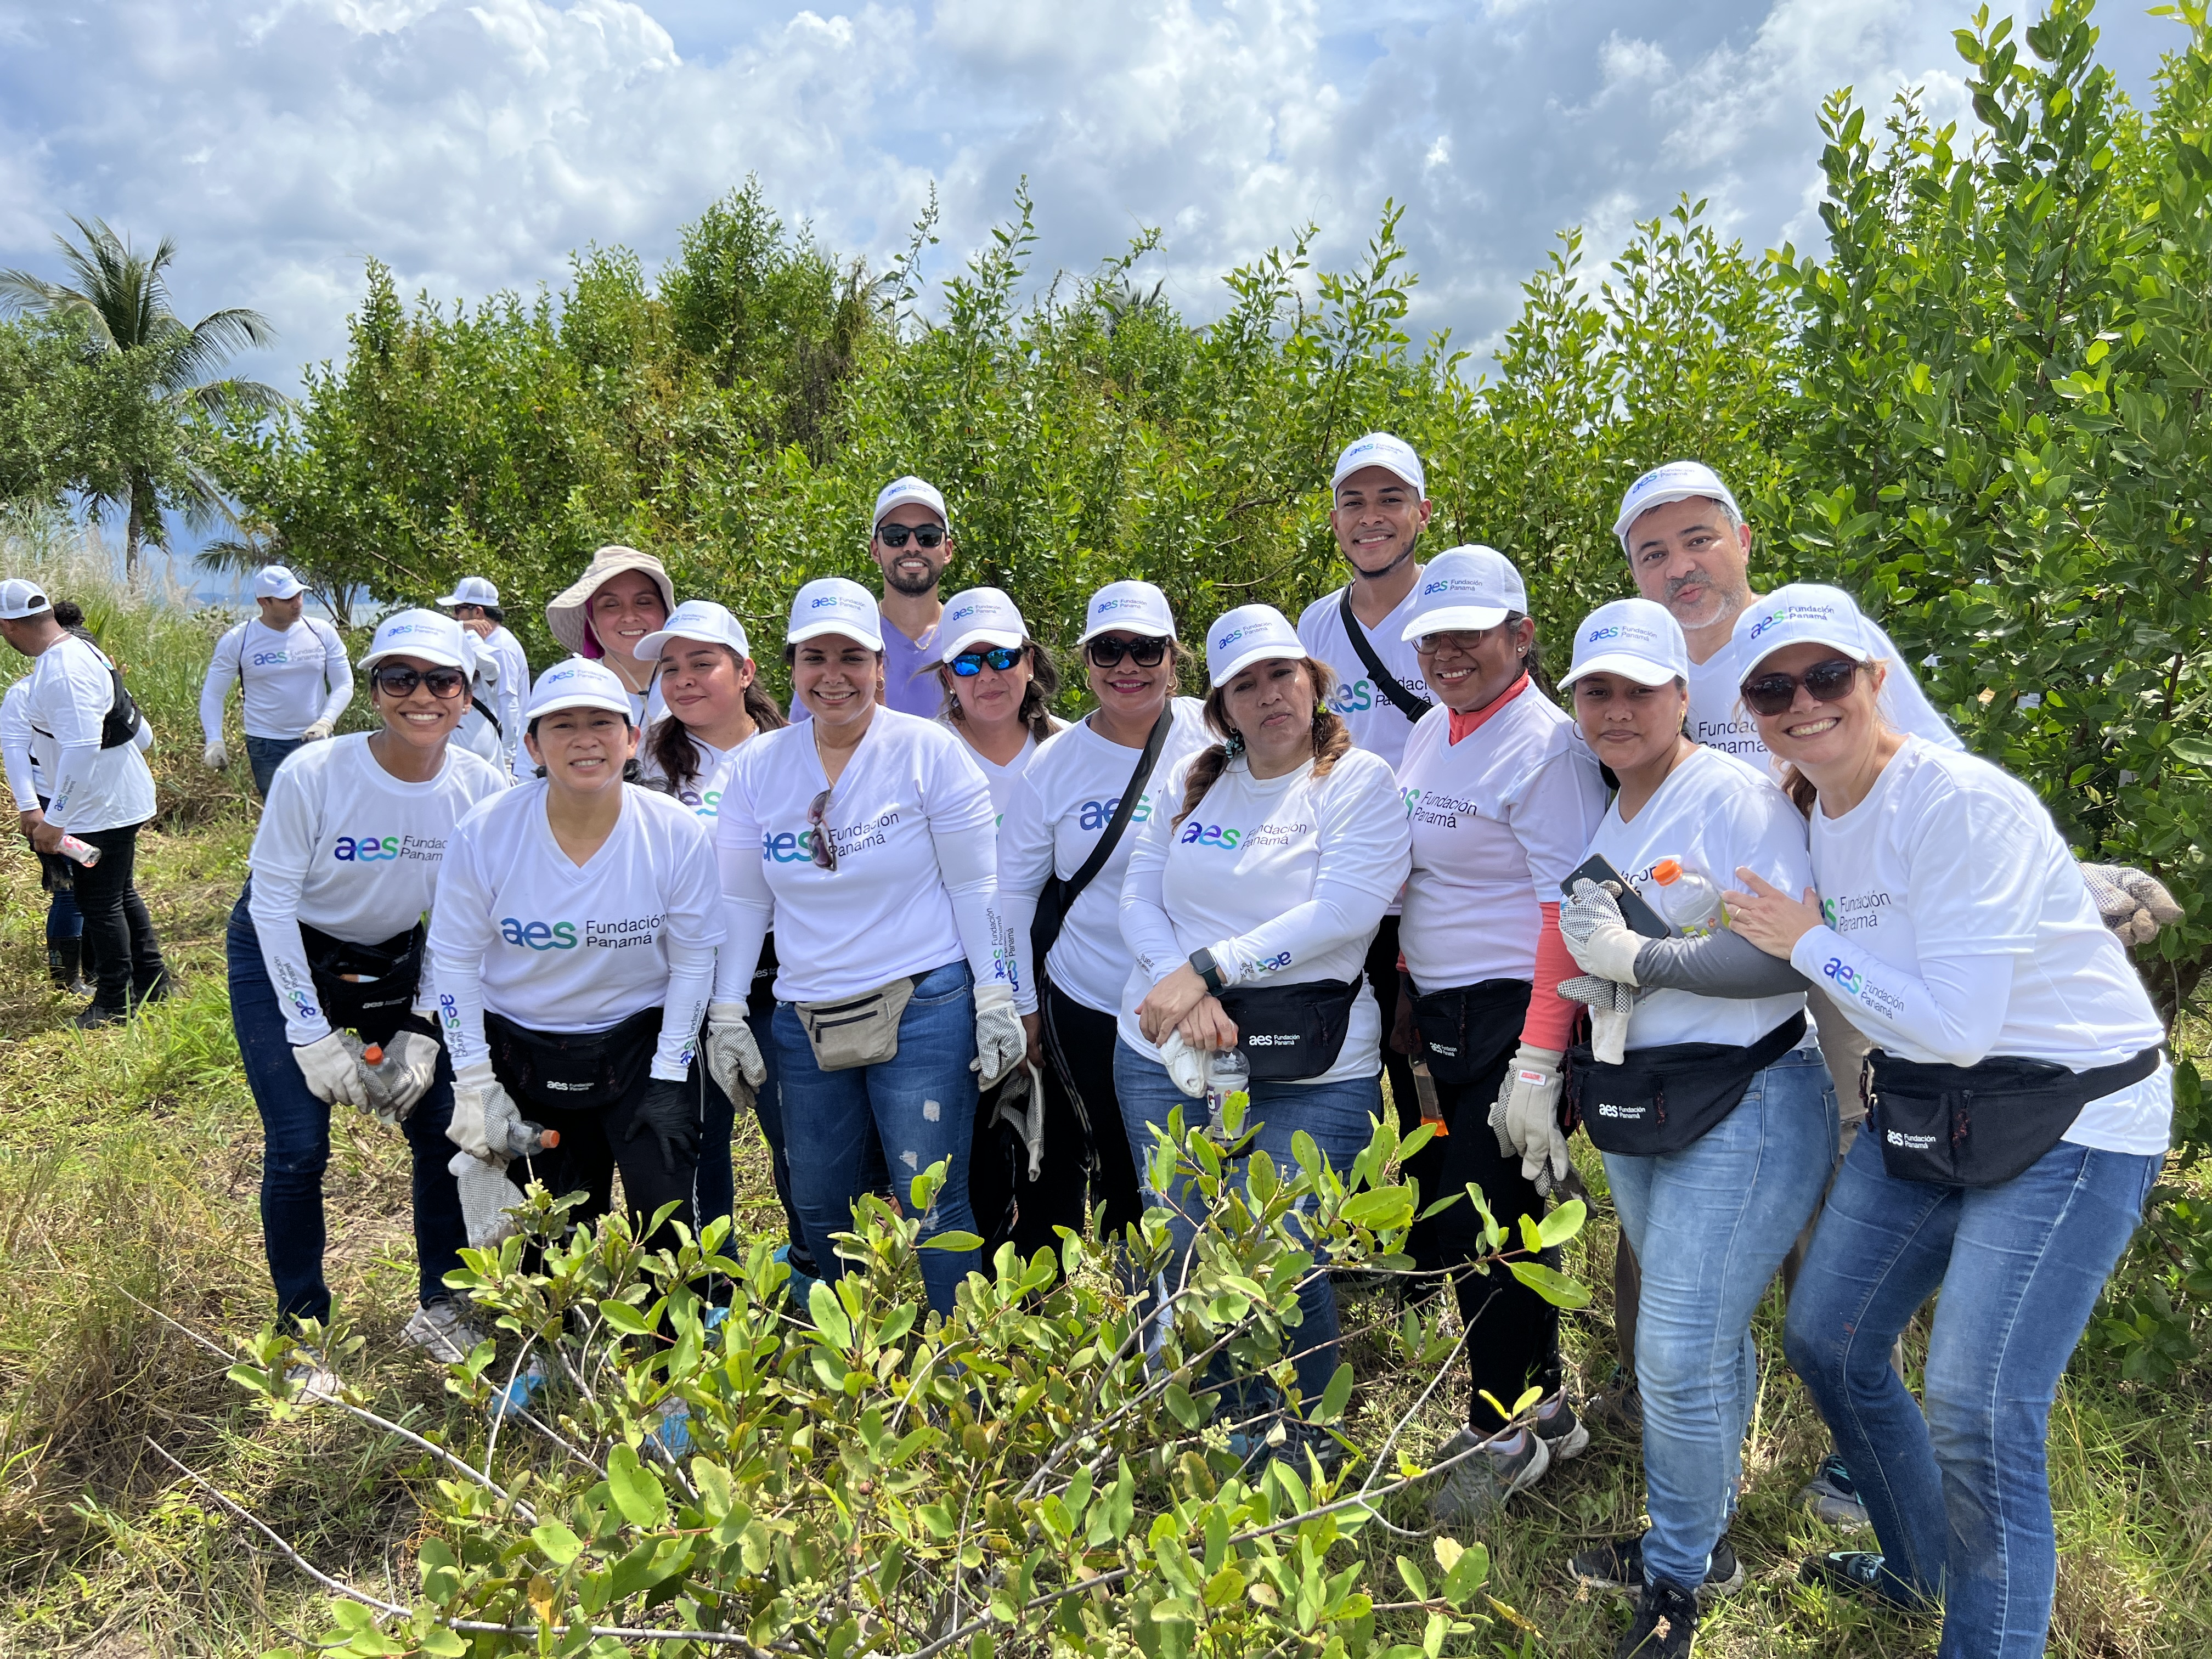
column 733, row 1056
column 316, row 731
column 487, row 1197
column 1601, row 941
column 1000, row 1042
column 1526, row 1118
column 331, row 1066
column 1609, row 1002
column 485, row 1121
column 2132, row 902
column 215, row 756
column 402, row 1077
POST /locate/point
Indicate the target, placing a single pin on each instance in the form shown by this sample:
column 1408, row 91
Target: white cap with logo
column 1129, row 607
column 1392, row 454
column 274, row 581
column 981, row 616
column 20, row 598
column 471, row 590
column 1635, row 638
column 1471, row 587
column 424, row 634
column 1799, row 614
column 578, row 683
column 1250, row 633
column 695, row 619
column 1677, row 481
column 910, row 490
column 831, row 604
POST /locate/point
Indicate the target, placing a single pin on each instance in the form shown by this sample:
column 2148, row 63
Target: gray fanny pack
column 862, row 1030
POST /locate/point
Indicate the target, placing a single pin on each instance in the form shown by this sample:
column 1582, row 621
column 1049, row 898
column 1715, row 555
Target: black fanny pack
column 1467, row 1029
column 364, row 984
column 1287, row 1032
column 1981, row 1124
column 1662, row 1100
column 571, row 1070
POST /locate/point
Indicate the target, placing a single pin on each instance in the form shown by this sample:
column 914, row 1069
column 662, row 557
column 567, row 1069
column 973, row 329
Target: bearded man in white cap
column 295, row 674
column 911, row 542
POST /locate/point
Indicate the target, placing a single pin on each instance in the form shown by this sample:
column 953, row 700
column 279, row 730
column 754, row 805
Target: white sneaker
column 311, row 1377
column 440, row 1332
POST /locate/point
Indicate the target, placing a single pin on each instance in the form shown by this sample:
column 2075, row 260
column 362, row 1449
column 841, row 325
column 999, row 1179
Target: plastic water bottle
column 82, row 851
column 1688, row 899
column 1227, row 1072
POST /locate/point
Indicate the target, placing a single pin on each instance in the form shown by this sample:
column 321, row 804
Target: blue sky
column 471, row 146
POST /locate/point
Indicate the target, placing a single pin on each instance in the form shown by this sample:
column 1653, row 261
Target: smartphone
column 1640, row 916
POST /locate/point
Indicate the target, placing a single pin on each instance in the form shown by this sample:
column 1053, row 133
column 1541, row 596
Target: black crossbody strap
column 1124, row 809
column 1388, row 684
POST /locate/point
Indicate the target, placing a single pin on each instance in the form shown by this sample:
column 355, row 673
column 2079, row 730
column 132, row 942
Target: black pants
column 116, row 924
column 595, row 1141
column 1383, row 980
column 1513, row 1333
column 1080, row 1042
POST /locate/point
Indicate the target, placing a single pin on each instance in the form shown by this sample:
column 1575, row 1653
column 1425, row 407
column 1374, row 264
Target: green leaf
column 1380, row 1208
column 635, row 1489
column 953, row 1239
column 1415, row 1581
column 828, row 1312
column 2196, row 750
column 1336, row 1396
column 559, row 1545
column 1562, row 1224
column 1555, row 1288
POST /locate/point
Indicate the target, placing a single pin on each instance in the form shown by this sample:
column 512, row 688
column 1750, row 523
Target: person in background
column 1378, row 508
column 999, row 685
column 102, row 793
column 606, row 613
column 327, row 939
column 474, row 604
column 1055, row 818
column 2024, row 1104
column 911, row 541
column 865, row 835
column 483, row 730
column 1501, row 800
column 292, row 672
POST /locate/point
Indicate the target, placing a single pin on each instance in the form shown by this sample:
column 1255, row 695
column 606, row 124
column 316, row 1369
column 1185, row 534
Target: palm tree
column 121, row 301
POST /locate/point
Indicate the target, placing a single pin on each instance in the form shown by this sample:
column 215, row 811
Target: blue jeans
column 923, row 1104
column 296, row 1128
column 264, row 756
column 1960, row 1499
column 1334, row 1114
column 1710, row 1225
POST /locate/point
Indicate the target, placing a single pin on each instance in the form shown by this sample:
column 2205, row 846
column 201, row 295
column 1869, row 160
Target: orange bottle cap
column 1666, row 872
column 373, row 1054
column 550, row 1140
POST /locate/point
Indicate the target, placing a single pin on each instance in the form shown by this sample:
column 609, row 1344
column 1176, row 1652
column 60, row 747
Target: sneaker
column 1617, row 1406
column 1665, row 1625
column 311, row 1378
column 157, row 990
column 1563, row 1433
column 1619, row 1565
column 440, row 1332
column 672, row 1433
column 515, row 1396
column 1830, row 1495
column 92, row 1016
column 1503, row 1464
column 1857, row 1572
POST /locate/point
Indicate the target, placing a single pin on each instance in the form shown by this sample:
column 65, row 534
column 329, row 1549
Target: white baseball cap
column 471, row 590
column 902, row 492
column 1677, row 481
column 578, row 683
column 1472, row 587
column 1129, row 607
column 1798, row 614
column 1250, row 633
column 1636, row 639
column 981, row 616
column 20, row 598
column 695, row 619
column 274, row 581
column 424, row 634
column 1394, row 454
column 831, row 604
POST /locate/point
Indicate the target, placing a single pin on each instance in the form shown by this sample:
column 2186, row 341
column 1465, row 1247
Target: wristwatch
column 1201, row 963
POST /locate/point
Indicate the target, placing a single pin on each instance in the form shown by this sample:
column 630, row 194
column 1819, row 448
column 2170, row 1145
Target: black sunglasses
column 1828, row 681
column 969, row 664
column 895, row 535
column 401, row 682
column 818, row 845
column 1107, row 654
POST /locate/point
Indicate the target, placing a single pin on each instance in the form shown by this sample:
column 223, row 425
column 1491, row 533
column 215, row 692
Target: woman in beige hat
column 623, row 595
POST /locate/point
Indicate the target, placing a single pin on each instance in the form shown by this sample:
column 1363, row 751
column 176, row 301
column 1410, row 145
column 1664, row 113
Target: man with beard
column 912, row 543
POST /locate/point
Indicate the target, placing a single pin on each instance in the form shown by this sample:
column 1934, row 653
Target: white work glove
column 2132, row 902
column 1600, row 942
column 403, row 1076
column 487, row 1198
column 332, row 1065
column 215, row 756
column 733, row 1057
column 316, row 732
column 1527, row 1117
column 485, row 1122
column 1609, row 1002
column 1185, row 1065
column 1000, row 1042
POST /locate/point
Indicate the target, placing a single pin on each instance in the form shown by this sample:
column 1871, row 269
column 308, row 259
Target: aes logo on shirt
column 1195, row 834
column 374, row 849
column 1097, row 814
column 539, row 935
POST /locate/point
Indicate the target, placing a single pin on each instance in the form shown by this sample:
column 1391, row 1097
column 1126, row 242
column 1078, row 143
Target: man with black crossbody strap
column 1379, row 507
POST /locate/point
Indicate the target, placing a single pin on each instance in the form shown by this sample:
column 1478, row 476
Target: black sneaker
column 1619, row 1565
column 1665, row 1625
column 1856, row 1572
column 1830, row 1495
column 93, row 1017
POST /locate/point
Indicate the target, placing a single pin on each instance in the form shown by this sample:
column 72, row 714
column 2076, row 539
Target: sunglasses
column 1465, row 640
column 1827, row 682
column 819, row 846
column 444, row 683
column 895, row 535
column 1107, row 654
column 969, row 664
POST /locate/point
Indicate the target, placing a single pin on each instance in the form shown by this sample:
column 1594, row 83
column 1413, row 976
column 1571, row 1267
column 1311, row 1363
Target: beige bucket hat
column 565, row 611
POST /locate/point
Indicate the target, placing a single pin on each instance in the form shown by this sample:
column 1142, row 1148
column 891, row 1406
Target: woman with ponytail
column 999, row 684
column 1249, row 910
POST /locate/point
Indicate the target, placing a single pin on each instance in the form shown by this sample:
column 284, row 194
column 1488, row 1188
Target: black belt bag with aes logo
column 1662, row 1100
column 363, row 984
column 571, row 1070
column 1981, row 1124
column 1289, row 1033
column 1467, row 1029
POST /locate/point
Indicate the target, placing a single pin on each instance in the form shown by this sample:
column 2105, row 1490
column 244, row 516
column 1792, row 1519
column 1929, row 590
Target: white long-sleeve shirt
column 916, row 884
column 1286, row 879
column 89, row 788
column 26, row 778
column 353, row 852
column 518, row 928
column 291, row 679
column 513, row 693
column 1958, row 928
